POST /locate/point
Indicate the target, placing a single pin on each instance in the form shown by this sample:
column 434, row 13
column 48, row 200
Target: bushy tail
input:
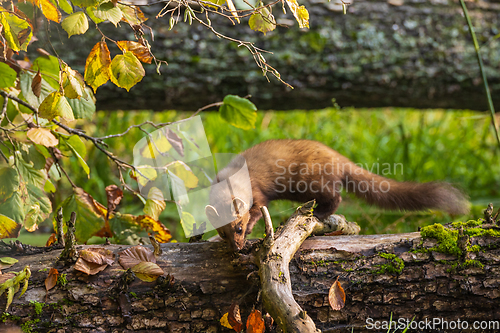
column 390, row 194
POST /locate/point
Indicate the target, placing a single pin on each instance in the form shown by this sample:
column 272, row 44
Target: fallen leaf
column 336, row 296
column 134, row 255
column 52, row 239
column 7, row 262
column 224, row 322
column 7, row 276
column 147, row 271
column 234, row 317
column 255, row 322
column 98, row 256
column 94, row 260
column 51, row 280
column 88, row 267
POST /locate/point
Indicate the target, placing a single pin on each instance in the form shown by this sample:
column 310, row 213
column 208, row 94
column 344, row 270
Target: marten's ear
column 212, row 214
column 238, row 207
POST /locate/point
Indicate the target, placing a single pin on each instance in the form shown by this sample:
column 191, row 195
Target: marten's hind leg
column 327, row 206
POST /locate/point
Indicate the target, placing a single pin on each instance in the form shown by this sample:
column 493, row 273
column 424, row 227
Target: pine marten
column 303, row 170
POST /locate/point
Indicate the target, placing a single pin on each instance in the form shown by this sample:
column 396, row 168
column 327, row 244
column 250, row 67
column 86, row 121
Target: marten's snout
column 237, row 245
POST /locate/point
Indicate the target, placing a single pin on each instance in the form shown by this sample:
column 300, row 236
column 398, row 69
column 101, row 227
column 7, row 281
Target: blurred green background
column 447, row 145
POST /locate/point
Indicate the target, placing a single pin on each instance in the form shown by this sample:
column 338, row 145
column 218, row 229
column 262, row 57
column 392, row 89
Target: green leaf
column 239, row 112
column 75, row 24
column 108, row 11
column 13, row 208
column 34, row 155
column 85, row 3
column 38, row 208
column 55, row 105
column 9, row 183
column 79, row 156
column 28, row 173
column 12, row 106
column 83, row 108
column 90, row 13
column 16, row 31
column 49, row 187
column 8, row 260
column 66, row 6
column 89, row 217
column 125, row 230
column 126, row 70
column 7, row 76
column 262, row 21
column 26, row 79
column 77, row 144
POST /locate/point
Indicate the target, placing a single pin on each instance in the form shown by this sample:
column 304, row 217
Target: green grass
column 454, row 146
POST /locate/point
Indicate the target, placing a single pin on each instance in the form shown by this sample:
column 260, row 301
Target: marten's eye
column 239, row 230
column 223, row 235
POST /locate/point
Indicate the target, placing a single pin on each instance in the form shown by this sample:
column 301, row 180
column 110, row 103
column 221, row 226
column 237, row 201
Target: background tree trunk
column 418, row 54
column 208, row 279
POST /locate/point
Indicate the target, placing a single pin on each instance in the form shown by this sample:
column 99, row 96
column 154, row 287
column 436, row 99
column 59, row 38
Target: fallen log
column 446, row 274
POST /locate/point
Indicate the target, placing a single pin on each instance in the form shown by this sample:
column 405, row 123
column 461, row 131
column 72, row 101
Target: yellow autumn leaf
column 49, row 10
column 147, row 271
column 157, row 145
column 126, row 70
column 225, row 322
column 140, row 51
column 55, row 105
column 183, row 171
column 42, row 136
column 98, row 65
column 8, row 227
column 146, row 174
column 299, row 12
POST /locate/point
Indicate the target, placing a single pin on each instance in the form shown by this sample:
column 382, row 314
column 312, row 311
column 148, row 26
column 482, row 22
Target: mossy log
column 403, row 275
column 418, row 54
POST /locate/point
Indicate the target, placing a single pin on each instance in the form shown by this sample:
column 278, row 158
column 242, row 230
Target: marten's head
column 234, row 232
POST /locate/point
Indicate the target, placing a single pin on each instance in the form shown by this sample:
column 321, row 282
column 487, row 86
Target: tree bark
column 418, row 54
column 208, row 278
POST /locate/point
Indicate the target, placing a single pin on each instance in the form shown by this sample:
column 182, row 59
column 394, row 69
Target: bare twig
column 56, row 160
column 269, row 223
column 4, row 108
column 20, row 101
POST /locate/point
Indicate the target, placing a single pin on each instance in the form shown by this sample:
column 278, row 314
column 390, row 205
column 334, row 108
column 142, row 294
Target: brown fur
column 275, row 164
